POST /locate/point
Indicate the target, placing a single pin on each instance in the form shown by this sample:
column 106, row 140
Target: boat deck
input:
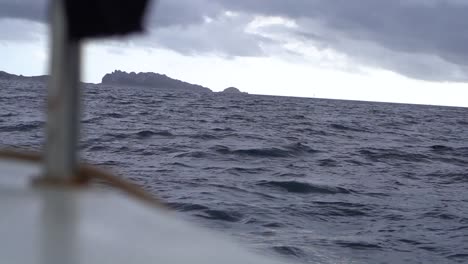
column 71, row 225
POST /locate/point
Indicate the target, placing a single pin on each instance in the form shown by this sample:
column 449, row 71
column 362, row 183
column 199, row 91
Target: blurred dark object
column 102, row 18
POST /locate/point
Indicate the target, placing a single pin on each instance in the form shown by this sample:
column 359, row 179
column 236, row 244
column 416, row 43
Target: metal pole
column 63, row 99
column 60, row 214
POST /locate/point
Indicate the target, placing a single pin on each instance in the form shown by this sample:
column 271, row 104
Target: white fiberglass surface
column 86, row 226
column 15, row 173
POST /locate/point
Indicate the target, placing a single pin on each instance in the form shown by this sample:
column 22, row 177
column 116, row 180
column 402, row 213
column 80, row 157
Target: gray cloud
column 224, row 36
column 418, row 38
column 423, row 39
column 14, row 30
column 23, row 9
column 166, row 13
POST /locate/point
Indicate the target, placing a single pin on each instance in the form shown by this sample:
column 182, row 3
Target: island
column 14, row 77
column 150, row 79
column 122, row 78
column 232, row 90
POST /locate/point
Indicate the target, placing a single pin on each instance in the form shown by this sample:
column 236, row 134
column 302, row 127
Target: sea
column 303, row 179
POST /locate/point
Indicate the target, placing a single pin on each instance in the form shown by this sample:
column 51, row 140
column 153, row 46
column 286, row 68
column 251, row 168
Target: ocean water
column 310, row 180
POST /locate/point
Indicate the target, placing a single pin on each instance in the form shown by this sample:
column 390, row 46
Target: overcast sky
column 413, row 51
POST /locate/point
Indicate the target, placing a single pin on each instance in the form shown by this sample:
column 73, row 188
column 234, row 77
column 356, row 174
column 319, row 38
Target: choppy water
column 317, row 181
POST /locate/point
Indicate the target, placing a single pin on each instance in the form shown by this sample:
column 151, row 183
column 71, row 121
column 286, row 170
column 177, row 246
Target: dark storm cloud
column 417, row 38
column 424, row 39
column 167, row 13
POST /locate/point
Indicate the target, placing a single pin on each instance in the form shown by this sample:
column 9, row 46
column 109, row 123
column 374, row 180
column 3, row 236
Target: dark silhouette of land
column 9, row 76
column 122, row 78
column 232, row 90
column 150, row 79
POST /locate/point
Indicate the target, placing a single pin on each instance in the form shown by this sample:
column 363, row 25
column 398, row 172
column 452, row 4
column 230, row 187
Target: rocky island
column 150, row 79
column 232, row 90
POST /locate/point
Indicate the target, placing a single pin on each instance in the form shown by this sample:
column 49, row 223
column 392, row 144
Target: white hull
column 56, row 225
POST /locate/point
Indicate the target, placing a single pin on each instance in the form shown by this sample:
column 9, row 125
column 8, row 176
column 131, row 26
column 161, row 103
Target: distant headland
column 157, row 80
column 148, row 79
column 9, row 76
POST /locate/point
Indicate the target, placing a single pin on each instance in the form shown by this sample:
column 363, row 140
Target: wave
column 221, row 215
column 410, row 242
column 440, row 214
column 110, row 137
column 328, row 163
column 292, row 150
column 290, row 175
column 187, row 207
column 205, row 136
column 444, row 150
column 149, row 133
column 193, row 154
column 383, row 155
column 452, row 160
column 23, row 127
column 243, row 171
column 90, row 120
column 289, row 251
column 274, row 225
column 179, row 164
column 226, row 129
column 347, row 128
column 110, row 163
column 441, row 148
column 449, row 178
column 346, row 212
column 462, row 257
column 339, row 211
column 462, row 151
column 114, row 115
column 98, row 148
column 357, row 245
column 304, row 188
column 299, row 117
column 147, row 153
column 266, row 152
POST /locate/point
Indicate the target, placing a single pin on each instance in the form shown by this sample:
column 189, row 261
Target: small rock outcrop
column 232, row 90
column 150, row 79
